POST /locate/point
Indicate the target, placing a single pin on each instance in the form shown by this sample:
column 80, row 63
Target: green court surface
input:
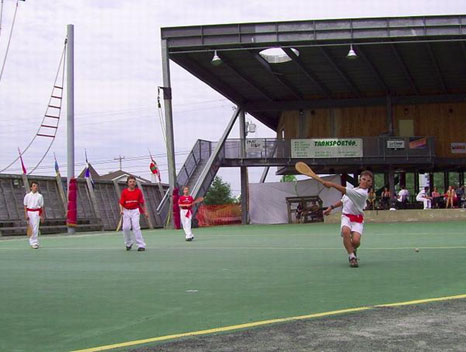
column 85, row 291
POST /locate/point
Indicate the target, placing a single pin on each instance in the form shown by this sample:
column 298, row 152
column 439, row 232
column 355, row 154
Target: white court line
column 190, row 248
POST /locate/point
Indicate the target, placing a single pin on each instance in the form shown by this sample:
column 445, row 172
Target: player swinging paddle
column 352, row 217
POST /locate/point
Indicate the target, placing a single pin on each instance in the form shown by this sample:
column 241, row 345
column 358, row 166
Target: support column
column 390, row 127
column 243, row 171
column 461, row 178
column 167, row 101
column 446, row 180
column 431, row 181
column 264, row 174
column 70, row 109
column 416, row 182
column 391, row 186
column 343, row 179
column 402, row 179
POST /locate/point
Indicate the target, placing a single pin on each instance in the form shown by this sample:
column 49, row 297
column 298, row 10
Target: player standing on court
column 352, row 217
column 186, row 203
column 33, row 212
column 131, row 206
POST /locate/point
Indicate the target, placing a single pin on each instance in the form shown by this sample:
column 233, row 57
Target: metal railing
column 372, row 147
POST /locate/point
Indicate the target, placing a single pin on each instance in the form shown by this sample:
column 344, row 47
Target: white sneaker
column 35, row 246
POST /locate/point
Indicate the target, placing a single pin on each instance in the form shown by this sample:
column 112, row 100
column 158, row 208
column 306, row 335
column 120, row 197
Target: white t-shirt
column 354, row 201
column 403, row 195
column 421, row 196
column 33, row 200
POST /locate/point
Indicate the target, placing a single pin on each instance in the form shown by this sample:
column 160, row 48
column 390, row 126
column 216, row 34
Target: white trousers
column 427, row 202
column 186, row 222
column 131, row 221
column 34, row 221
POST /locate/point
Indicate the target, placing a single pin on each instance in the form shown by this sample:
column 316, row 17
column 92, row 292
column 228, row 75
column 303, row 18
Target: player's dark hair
column 34, row 183
column 130, row 177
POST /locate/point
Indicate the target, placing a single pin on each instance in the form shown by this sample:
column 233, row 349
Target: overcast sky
column 118, row 69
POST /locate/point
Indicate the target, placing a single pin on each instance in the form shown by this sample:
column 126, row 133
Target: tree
column 288, row 178
column 219, row 193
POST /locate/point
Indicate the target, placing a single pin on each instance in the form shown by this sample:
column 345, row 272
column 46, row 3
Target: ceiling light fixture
column 351, row 53
column 216, row 60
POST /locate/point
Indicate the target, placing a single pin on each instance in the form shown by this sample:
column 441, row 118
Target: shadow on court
column 439, row 326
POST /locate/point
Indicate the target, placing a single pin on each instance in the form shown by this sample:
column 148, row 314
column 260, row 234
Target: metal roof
column 410, row 59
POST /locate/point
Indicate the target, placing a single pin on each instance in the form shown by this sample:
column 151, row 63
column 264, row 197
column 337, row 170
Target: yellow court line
column 264, row 322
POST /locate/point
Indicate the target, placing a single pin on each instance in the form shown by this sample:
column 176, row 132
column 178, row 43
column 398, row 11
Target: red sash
column 38, row 209
column 355, row 218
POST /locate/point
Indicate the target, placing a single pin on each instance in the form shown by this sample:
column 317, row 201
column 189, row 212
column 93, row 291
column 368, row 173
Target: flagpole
column 70, row 108
column 24, row 175
column 61, row 190
column 158, row 177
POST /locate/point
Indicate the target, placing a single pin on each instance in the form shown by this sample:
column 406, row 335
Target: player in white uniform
column 423, row 196
column 33, row 212
column 352, row 217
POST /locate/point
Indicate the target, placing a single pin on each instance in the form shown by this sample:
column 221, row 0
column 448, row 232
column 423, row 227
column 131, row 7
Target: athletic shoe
column 354, row 262
column 35, row 246
column 141, row 249
column 355, row 254
column 128, row 248
column 189, row 239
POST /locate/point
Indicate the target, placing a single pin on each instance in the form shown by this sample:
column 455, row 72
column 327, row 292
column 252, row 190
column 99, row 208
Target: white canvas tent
column 267, row 201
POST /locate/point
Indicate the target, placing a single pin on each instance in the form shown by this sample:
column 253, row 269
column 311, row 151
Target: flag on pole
column 87, row 174
column 22, row 163
column 57, row 169
column 154, row 168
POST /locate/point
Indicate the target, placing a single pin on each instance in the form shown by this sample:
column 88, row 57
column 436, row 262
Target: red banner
column 72, row 212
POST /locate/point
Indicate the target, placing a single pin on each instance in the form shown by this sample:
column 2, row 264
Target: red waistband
column 355, row 218
column 38, row 210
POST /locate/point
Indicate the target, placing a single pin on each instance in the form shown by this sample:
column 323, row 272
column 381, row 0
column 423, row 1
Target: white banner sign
column 458, row 148
column 395, row 144
column 326, row 148
column 255, row 145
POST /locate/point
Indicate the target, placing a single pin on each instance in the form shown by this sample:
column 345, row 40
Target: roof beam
column 252, row 107
column 374, row 70
column 258, row 88
column 436, row 66
column 342, row 74
column 210, row 79
column 278, row 77
column 307, row 72
column 463, row 49
column 404, row 68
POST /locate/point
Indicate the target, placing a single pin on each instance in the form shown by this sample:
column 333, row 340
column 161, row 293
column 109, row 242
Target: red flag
column 22, row 163
column 155, row 170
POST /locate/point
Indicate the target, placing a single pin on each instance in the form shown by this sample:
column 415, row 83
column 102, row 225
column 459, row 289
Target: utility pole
column 70, row 110
column 120, row 159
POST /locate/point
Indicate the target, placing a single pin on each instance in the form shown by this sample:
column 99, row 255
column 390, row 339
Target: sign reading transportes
column 326, row 148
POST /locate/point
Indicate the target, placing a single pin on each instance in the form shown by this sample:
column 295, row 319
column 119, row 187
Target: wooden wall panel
column 317, row 123
column 446, row 122
column 362, row 121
